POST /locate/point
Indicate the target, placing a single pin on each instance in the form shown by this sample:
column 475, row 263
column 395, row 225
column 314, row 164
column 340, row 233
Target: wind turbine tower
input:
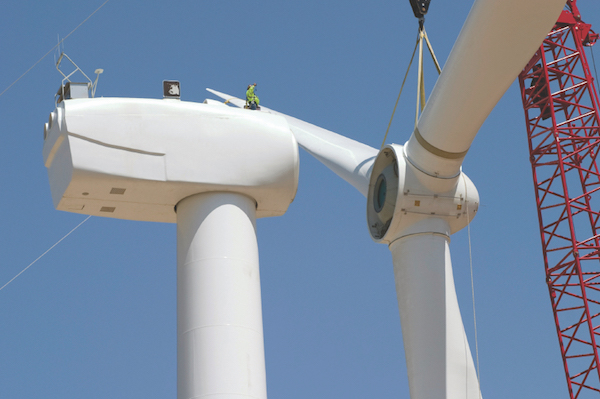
column 211, row 169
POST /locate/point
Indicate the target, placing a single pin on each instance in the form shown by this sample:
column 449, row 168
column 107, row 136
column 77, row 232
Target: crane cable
column 421, row 36
column 48, row 250
column 52, row 49
column 401, row 87
column 595, row 71
column 421, row 78
column 473, row 295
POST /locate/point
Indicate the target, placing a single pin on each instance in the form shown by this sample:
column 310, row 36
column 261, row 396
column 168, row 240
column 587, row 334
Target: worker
column 251, row 98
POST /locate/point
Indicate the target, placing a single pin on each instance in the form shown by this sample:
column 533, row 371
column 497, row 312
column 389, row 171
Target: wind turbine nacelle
column 131, row 158
column 403, row 200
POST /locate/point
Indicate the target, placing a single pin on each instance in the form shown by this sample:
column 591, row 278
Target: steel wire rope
column 401, row 87
column 421, row 100
column 420, row 36
column 595, row 70
column 48, row 250
column 472, row 291
column 52, row 49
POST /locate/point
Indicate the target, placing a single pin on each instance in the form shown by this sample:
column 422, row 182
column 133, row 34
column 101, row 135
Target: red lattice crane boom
column 561, row 113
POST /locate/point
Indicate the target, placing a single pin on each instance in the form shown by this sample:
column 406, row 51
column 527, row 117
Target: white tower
column 212, row 170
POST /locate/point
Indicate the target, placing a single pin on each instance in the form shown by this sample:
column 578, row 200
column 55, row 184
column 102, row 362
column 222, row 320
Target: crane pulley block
column 420, row 7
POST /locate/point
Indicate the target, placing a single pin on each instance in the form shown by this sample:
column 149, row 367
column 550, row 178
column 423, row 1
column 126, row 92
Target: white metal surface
column 495, row 43
column 220, row 348
column 438, row 357
column 156, row 152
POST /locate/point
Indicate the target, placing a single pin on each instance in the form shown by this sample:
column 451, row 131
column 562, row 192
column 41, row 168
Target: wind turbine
column 417, row 194
column 211, row 169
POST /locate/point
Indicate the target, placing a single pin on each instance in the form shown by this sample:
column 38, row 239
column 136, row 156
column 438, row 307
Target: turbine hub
column 402, row 200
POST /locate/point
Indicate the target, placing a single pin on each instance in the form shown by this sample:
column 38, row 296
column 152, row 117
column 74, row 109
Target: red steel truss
column 561, row 113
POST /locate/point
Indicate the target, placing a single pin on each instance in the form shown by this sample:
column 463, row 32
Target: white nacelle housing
column 135, row 159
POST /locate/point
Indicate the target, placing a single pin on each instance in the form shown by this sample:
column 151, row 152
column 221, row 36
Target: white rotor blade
column 238, row 102
column 349, row 159
column 438, row 357
column 497, row 40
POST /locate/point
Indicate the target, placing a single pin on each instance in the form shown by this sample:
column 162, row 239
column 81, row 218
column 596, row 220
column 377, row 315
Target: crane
column 561, row 113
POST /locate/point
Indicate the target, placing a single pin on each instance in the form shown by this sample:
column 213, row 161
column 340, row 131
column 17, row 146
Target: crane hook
column 420, row 7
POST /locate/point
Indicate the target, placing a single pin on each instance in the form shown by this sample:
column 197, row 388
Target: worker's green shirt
column 250, row 96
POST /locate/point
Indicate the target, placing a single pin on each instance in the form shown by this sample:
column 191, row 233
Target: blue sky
column 95, row 317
